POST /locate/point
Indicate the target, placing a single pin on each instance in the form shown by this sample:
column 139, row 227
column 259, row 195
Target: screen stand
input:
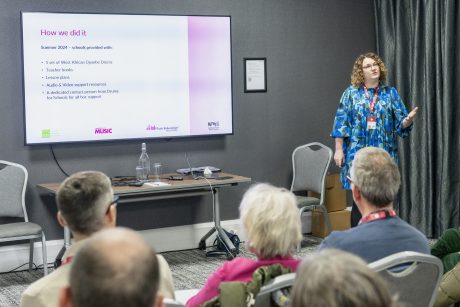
column 230, row 248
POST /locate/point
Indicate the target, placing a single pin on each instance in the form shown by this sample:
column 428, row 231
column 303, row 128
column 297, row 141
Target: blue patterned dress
column 350, row 123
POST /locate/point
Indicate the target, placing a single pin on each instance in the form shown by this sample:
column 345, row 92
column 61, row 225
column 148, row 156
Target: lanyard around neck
column 378, row 215
column 374, row 100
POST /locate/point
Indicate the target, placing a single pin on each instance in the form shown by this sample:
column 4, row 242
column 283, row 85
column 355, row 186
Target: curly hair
column 357, row 76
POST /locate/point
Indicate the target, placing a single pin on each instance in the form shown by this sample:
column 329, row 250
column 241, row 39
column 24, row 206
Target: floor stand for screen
column 230, row 248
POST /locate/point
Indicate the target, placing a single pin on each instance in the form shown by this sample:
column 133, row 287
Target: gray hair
column 115, row 267
column 376, row 175
column 83, row 199
column 271, row 220
column 333, row 278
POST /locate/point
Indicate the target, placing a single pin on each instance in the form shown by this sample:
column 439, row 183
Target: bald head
column 115, row 267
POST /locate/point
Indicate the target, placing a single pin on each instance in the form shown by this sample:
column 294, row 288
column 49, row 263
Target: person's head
column 333, row 278
column 116, row 268
column 86, row 203
column 270, row 218
column 375, row 176
column 366, row 65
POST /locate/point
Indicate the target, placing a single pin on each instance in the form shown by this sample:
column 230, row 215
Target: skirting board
column 161, row 239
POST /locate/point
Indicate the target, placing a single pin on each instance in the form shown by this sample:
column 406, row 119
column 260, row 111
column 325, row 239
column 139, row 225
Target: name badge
column 371, row 123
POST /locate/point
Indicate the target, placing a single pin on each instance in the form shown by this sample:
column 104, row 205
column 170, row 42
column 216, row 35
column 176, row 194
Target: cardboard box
column 340, row 220
column 306, row 222
column 335, row 197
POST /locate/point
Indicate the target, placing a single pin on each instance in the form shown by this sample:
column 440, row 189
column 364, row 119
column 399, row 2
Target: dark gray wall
column 310, row 46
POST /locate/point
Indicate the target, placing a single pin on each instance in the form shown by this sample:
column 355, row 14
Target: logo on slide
column 103, row 131
column 164, row 129
column 46, row 133
column 151, row 128
column 213, row 125
column 49, row 134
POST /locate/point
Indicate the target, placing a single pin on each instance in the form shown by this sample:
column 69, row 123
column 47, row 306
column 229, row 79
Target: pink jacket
column 238, row 269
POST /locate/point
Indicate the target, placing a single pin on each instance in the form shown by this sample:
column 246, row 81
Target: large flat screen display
column 100, row 77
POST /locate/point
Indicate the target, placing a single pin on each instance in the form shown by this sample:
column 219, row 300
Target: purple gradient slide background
column 210, row 86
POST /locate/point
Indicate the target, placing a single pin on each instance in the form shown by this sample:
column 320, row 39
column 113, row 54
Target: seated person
column 86, row 205
column 447, row 248
column 375, row 182
column 333, row 278
column 449, row 288
column 270, row 219
column 115, row 268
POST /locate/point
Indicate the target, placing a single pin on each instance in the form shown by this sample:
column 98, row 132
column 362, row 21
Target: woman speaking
column 369, row 114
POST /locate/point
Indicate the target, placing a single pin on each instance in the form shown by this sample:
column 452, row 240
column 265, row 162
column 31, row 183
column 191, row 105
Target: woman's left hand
column 408, row 120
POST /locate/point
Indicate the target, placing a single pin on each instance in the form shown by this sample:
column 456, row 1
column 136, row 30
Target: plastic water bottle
column 144, row 162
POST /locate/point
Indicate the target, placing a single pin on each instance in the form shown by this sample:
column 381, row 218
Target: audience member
column 375, row 182
column 447, row 248
column 270, row 219
column 449, row 288
column 115, row 268
column 86, row 205
column 333, row 278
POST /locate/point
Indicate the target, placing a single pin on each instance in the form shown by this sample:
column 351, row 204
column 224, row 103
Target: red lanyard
column 372, row 103
column 378, row 215
column 67, row 260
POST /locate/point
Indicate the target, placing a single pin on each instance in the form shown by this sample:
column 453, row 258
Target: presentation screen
column 101, row 77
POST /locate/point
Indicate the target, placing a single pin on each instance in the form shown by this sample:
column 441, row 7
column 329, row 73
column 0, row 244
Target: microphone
column 190, row 167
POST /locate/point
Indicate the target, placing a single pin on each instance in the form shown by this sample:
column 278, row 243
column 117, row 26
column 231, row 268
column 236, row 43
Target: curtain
column 420, row 44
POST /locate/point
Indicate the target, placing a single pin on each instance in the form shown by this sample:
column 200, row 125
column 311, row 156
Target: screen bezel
column 152, row 138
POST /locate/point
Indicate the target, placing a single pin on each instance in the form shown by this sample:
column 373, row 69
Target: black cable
column 57, row 162
column 11, row 271
column 35, row 267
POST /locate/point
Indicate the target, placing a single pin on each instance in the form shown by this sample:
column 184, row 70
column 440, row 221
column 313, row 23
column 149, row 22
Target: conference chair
column 413, row 276
column 172, row 303
column 268, row 293
column 310, row 163
column 13, row 183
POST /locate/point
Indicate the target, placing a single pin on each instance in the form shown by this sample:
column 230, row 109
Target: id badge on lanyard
column 372, row 119
column 371, row 123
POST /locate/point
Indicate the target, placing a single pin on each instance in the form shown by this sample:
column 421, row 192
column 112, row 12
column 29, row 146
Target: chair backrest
column 310, row 163
column 13, row 182
column 264, row 297
column 172, row 303
column 413, row 276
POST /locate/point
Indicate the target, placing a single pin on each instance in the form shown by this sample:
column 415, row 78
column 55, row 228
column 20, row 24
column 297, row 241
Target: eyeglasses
column 349, row 178
column 370, row 66
column 113, row 203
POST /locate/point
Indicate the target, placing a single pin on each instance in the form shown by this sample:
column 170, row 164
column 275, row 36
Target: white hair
column 271, row 220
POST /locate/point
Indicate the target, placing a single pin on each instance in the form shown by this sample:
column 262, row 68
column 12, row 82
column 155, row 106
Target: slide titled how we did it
column 64, row 65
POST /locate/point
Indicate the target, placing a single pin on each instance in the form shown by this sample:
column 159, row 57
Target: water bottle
column 144, row 163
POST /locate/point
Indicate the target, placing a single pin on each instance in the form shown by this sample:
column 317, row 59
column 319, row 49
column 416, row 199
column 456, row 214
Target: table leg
column 231, row 250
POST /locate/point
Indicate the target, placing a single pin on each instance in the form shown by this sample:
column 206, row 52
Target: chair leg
column 31, row 254
column 45, row 257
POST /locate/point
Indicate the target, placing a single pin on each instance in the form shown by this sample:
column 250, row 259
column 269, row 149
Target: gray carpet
column 190, row 269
